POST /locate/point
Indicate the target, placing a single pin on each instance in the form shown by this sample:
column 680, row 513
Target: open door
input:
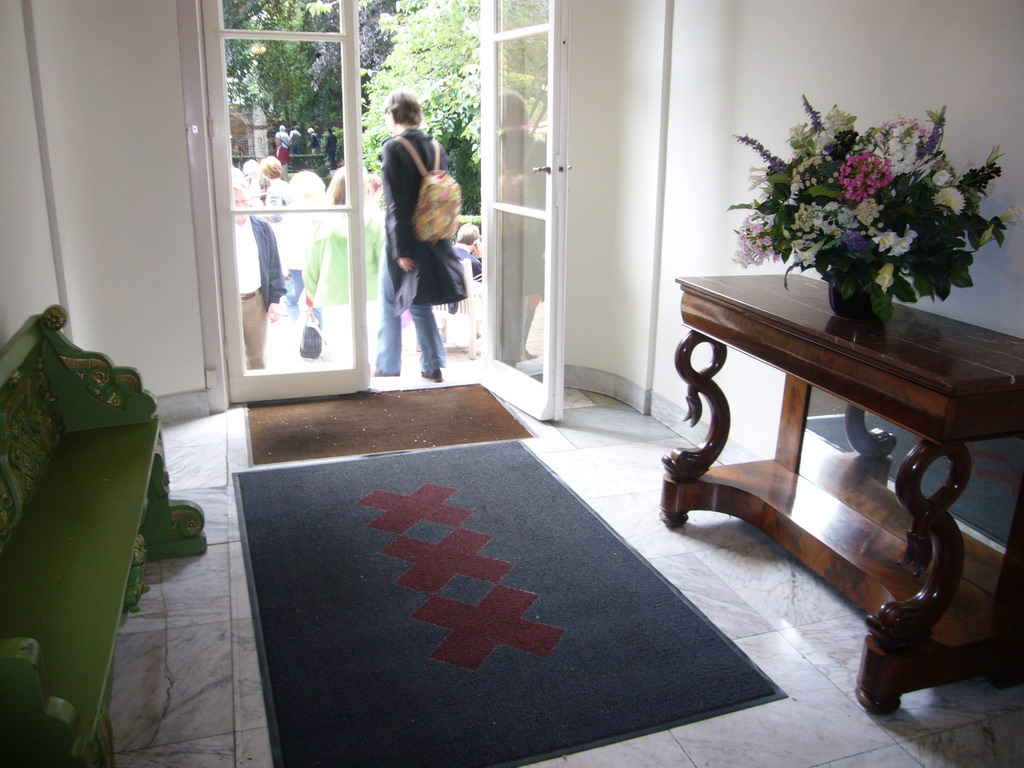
column 524, row 54
column 265, row 61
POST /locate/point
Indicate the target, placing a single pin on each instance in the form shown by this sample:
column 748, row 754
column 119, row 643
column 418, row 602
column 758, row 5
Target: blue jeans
column 291, row 299
column 432, row 354
column 389, row 337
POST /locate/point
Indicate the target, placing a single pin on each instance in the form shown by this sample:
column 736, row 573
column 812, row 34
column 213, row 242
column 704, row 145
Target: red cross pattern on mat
column 403, row 512
column 478, row 629
column 435, row 564
column 1003, row 472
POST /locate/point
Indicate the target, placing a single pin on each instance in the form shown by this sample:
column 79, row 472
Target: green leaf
column 923, row 285
column 961, row 277
column 821, row 190
column 848, row 287
column 881, row 303
column 902, row 289
column 937, row 117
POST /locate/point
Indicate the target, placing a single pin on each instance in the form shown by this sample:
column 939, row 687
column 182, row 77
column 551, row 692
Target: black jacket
column 271, row 278
column 433, row 281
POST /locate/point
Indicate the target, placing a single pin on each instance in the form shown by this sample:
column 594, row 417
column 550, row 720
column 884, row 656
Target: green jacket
column 376, row 253
column 327, row 269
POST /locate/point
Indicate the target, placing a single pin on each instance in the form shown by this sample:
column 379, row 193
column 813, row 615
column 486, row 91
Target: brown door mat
column 378, row 422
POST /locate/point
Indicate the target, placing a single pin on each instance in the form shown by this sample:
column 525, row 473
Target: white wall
column 27, row 278
column 740, row 67
column 110, row 81
column 615, row 98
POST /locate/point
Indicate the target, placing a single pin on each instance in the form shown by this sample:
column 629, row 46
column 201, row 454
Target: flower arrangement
column 881, row 211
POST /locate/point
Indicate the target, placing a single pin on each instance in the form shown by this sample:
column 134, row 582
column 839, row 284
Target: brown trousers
column 254, row 331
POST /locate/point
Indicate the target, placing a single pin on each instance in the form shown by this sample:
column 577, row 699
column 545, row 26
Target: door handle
column 542, row 169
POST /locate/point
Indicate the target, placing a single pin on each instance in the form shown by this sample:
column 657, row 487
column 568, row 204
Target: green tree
column 292, row 82
column 374, row 43
column 436, row 53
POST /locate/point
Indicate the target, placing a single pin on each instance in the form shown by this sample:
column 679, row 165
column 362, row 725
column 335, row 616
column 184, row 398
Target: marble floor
column 187, row 689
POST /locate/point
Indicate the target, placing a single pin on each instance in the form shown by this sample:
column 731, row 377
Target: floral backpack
column 439, row 202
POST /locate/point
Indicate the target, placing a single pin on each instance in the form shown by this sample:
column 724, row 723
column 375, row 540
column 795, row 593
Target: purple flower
column 842, row 146
column 775, row 164
column 934, row 138
column 855, row 241
column 815, row 117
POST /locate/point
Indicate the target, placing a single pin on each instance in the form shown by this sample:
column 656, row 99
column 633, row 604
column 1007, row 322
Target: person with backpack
column 420, row 273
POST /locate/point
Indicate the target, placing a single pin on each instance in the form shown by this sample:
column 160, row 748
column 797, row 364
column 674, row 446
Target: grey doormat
column 460, row 608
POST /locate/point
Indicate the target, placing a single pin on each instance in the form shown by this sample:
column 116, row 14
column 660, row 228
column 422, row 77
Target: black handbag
column 451, row 285
column 312, row 344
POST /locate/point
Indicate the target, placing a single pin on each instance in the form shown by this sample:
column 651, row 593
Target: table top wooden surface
column 941, row 378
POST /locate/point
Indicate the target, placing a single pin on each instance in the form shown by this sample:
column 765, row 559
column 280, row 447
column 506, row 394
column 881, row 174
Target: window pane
column 284, row 99
column 522, row 121
column 327, row 279
column 521, row 291
column 281, row 15
column 513, row 14
column 314, row 261
column 278, row 91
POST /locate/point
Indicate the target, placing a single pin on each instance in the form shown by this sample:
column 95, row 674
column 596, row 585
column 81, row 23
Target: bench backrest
column 30, row 424
column 49, row 386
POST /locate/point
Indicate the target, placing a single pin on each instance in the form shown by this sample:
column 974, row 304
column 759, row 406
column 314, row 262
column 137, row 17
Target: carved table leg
column 875, row 443
column 934, row 538
column 683, row 465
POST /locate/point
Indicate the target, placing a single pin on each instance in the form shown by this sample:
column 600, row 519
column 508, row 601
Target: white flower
column 902, row 245
column 951, row 197
column 866, row 212
column 884, row 278
column 902, row 155
column 896, row 245
column 942, row 178
column 1012, row 216
column 741, row 258
column 804, row 218
column 835, row 121
column 804, row 255
column 758, row 177
column 885, row 240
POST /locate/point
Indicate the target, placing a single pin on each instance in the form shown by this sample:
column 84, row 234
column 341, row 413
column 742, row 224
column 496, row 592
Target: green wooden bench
column 83, row 504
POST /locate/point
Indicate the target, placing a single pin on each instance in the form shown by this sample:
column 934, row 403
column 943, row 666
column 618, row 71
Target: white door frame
column 193, row 82
column 541, row 399
column 221, row 314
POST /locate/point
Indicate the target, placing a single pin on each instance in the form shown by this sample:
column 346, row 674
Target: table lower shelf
column 855, row 545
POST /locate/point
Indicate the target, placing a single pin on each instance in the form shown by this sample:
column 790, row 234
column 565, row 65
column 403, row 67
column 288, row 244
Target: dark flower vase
column 857, row 307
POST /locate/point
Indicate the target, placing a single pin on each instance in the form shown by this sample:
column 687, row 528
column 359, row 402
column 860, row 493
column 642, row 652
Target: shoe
column 378, row 373
column 434, row 375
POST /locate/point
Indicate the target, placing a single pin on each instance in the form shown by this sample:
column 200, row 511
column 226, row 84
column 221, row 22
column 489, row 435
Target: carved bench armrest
column 90, row 390
column 27, row 705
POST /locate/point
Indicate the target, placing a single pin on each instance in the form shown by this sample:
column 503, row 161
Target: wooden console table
column 941, row 608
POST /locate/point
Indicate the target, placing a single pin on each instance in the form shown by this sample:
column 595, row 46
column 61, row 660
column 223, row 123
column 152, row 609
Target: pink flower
column 755, row 243
column 864, row 174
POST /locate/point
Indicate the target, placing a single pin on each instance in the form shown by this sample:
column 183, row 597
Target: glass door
column 524, row 188
column 283, row 80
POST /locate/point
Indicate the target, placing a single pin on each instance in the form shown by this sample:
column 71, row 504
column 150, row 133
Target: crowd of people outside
column 291, row 144
column 301, row 260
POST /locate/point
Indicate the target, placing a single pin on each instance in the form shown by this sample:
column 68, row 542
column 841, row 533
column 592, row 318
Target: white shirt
column 247, row 257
